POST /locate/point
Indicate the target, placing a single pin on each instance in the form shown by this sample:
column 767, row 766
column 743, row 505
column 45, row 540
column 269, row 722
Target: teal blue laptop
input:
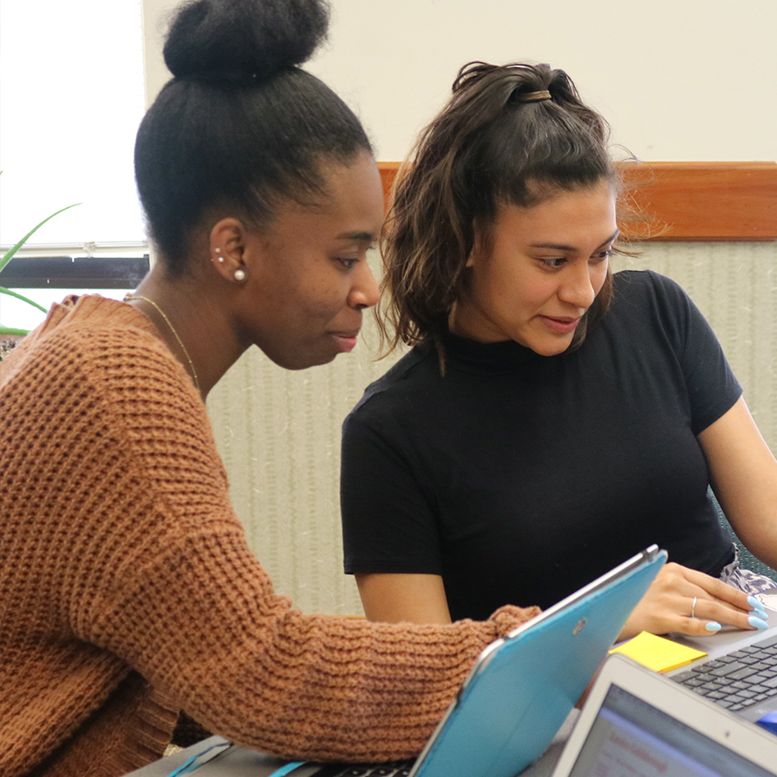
column 523, row 686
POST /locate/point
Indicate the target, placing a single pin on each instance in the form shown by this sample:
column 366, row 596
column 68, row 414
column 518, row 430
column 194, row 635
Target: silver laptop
column 637, row 722
column 739, row 672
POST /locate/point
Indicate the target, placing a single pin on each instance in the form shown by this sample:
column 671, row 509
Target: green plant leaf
column 8, row 330
column 10, row 293
column 11, row 251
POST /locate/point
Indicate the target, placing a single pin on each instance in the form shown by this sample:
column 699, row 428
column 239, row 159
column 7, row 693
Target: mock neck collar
column 471, row 356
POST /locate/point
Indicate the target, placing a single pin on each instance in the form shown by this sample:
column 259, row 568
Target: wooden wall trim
column 701, row 201
column 388, row 174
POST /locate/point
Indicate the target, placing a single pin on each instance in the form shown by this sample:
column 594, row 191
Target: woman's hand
column 689, row 602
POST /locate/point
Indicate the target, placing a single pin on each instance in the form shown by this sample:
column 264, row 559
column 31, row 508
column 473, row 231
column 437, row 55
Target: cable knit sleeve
column 169, row 584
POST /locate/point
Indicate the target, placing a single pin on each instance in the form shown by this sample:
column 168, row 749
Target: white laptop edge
column 703, row 716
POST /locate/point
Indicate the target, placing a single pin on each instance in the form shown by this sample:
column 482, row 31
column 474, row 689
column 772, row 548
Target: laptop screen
column 630, row 738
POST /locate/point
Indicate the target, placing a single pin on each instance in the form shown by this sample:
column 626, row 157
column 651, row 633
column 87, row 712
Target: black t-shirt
column 520, row 478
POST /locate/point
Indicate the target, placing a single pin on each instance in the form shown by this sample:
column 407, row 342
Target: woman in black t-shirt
column 552, row 419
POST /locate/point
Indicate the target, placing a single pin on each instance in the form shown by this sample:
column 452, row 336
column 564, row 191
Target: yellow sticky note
column 658, row 653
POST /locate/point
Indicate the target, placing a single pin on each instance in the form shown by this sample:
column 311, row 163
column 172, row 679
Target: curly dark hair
column 488, row 147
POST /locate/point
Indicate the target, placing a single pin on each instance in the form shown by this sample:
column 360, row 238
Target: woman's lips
column 346, row 340
column 561, row 325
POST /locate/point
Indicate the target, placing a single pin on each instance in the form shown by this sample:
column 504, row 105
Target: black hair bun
column 234, row 39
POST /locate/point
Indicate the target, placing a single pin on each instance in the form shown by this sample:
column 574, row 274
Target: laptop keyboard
column 736, row 680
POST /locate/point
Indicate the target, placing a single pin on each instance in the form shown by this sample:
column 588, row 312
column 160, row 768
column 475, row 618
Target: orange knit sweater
column 128, row 591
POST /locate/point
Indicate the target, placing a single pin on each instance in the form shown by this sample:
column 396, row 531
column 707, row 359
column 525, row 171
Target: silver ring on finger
column 693, row 606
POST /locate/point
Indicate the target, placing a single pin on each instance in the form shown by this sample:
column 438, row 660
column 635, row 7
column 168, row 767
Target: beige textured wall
column 279, row 431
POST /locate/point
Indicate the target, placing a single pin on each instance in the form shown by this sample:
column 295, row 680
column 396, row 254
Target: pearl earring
column 219, row 257
column 240, row 275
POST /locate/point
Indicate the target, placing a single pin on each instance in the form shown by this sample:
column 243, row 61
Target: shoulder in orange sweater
column 128, row 591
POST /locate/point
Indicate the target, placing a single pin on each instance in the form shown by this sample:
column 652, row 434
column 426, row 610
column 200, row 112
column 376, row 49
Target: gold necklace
column 161, row 312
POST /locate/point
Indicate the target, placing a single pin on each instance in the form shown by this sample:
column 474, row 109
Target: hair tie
column 534, row 97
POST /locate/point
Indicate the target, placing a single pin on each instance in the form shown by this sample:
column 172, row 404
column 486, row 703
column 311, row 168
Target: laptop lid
column 523, row 686
column 637, row 722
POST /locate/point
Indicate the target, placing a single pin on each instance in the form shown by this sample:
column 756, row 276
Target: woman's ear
column 227, row 247
column 477, row 245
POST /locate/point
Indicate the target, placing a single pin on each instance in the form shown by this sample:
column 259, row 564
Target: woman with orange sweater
column 127, row 590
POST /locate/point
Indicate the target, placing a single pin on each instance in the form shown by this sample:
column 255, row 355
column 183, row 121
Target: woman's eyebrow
column 361, row 237
column 563, row 247
column 611, row 239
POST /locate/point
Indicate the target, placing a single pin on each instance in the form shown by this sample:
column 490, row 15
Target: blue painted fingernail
column 757, row 623
column 712, row 626
column 759, row 614
column 753, row 602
